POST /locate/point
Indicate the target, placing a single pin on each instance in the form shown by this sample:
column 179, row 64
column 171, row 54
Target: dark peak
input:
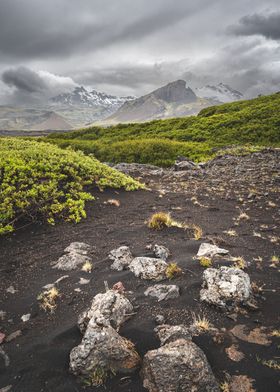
column 80, row 89
column 175, row 92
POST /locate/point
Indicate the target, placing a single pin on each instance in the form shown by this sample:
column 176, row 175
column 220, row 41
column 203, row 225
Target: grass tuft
column 172, row 271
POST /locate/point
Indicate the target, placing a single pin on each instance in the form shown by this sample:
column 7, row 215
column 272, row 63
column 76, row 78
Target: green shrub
column 42, row 181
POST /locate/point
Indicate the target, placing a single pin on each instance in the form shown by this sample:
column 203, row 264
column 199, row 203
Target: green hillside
column 39, row 181
column 254, row 122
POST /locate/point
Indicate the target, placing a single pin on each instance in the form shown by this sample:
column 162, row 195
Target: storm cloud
column 266, row 25
column 131, row 47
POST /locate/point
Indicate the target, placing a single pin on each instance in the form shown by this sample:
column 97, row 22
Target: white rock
column 148, row 268
column 71, row 261
column 26, row 317
column 163, row 291
column 209, row 250
column 161, row 252
column 225, row 286
column 11, row 290
column 84, row 281
column 122, row 257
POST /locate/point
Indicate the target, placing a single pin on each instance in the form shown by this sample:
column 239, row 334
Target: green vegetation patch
column 244, row 123
column 40, row 181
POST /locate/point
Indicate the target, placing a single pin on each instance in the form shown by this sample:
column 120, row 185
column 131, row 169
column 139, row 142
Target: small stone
column 84, row 281
column 234, row 354
column 119, row 287
column 2, row 315
column 159, row 319
column 26, row 317
column 2, row 337
column 13, row 335
column 11, row 290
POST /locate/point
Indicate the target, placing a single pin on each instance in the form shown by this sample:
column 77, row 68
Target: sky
column 126, row 47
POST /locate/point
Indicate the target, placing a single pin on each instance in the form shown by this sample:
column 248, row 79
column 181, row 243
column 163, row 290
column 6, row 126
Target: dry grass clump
column 239, row 262
column 231, row 233
column 87, row 266
column 205, row 262
column 48, row 299
column 160, row 220
column 225, row 387
column 201, row 323
column 271, row 363
column 173, row 270
column 275, row 260
column 276, row 333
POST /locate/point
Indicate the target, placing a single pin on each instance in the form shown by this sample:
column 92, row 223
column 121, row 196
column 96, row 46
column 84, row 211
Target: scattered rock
column 170, row 333
column 179, row 365
column 210, row 250
column 119, row 287
column 78, row 247
column 256, row 336
column 11, row 290
column 6, row 389
column 2, row 337
column 163, row 291
column 75, row 255
column 5, row 357
column 225, row 286
column 241, row 384
column 161, row 252
column 122, row 257
column 234, row 354
column 26, row 317
column 182, row 164
column 84, row 281
column 113, row 202
column 148, row 268
column 13, row 335
column 104, row 349
column 2, row 315
column 108, row 309
column 159, row 319
column 51, row 285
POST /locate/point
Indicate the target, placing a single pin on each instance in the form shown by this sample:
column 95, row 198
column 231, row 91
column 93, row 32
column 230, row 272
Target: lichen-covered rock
column 209, row 250
column 163, row 291
column 75, row 255
column 78, row 247
column 179, row 365
column 122, row 257
column 102, row 348
column 148, row 268
column 169, row 333
column 225, row 286
column 71, row 261
column 161, row 252
column 107, row 309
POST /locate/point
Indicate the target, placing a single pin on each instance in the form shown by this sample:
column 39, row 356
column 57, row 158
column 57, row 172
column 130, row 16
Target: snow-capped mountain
column 220, row 93
column 84, row 98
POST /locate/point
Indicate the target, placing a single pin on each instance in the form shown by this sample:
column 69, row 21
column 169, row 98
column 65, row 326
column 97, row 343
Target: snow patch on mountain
column 81, row 96
column 220, row 93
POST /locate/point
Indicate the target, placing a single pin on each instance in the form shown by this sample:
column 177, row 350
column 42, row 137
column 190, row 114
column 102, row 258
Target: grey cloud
column 24, row 79
column 266, row 25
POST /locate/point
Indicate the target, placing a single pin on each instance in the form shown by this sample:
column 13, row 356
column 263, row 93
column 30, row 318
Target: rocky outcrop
column 225, row 286
column 178, row 365
column 102, row 350
column 108, row 309
column 148, row 268
column 163, row 291
column 75, row 255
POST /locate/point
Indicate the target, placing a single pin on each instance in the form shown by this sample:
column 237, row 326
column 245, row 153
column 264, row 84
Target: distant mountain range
column 172, row 100
column 83, row 107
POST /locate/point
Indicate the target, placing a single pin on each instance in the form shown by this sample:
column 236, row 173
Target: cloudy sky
column 131, row 47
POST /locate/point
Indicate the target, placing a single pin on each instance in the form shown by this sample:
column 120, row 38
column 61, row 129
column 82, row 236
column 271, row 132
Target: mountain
column 171, row 100
column 19, row 118
column 82, row 97
column 221, row 93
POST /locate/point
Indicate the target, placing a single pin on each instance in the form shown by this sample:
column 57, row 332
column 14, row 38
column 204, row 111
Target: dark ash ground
column 212, row 199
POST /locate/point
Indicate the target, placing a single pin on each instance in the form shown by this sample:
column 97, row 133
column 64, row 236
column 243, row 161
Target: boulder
column 170, row 333
column 225, row 286
column 163, row 291
column 103, row 351
column 109, row 309
column 182, row 165
column 209, row 250
column 179, row 365
column 122, row 257
column 148, row 268
column 161, row 252
column 78, row 247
